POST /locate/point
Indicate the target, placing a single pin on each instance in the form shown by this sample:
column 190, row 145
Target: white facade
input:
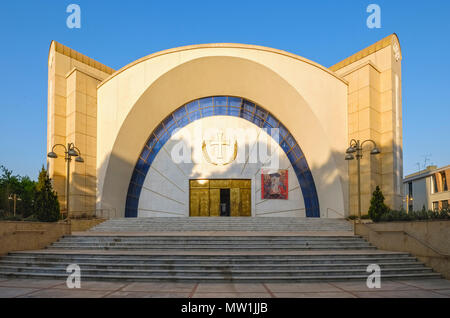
column 427, row 189
column 165, row 191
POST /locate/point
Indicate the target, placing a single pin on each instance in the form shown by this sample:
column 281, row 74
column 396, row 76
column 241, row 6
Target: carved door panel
column 204, row 202
column 235, row 202
column 214, row 202
column 246, row 209
column 194, row 206
column 199, row 205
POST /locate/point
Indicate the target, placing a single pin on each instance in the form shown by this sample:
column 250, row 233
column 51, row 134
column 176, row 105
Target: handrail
column 336, row 212
column 434, row 249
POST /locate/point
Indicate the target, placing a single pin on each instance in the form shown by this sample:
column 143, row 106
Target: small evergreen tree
column 46, row 205
column 377, row 206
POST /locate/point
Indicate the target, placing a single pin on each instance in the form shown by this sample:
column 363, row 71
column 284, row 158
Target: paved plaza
column 31, row 288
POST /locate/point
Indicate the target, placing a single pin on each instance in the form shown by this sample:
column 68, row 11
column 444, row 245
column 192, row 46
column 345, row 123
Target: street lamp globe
column 51, row 154
column 349, row 157
column 350, row 150
column 375, row 151
column 72, row 152
column 79, row 159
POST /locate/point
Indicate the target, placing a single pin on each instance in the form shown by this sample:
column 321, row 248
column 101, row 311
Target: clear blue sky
column 119, row 32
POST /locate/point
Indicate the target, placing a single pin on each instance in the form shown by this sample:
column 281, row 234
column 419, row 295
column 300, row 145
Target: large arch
column 221, row 106
column 310, row 101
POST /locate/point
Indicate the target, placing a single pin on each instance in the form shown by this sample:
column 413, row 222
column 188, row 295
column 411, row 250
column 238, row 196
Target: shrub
column 46, row 205
column 377, row 207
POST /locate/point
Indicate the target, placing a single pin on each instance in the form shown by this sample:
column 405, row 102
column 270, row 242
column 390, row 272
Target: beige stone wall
column 72, row 118
column 306, row 97
column 80, row 225
column 20, row 236
column 391, row 236
column 375, row 112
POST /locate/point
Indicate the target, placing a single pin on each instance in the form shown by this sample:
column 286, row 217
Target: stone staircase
column 129, row 250
column 177, row 224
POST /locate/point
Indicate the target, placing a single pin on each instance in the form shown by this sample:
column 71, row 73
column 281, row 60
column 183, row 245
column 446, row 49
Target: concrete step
column 210, row 266
column 221, row 279
column 222, row 224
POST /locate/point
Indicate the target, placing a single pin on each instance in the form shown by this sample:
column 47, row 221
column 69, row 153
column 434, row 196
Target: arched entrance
column 222, row 106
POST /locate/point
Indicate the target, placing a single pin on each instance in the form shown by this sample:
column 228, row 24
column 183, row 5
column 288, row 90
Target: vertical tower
column 72, row 118
column 375, row 112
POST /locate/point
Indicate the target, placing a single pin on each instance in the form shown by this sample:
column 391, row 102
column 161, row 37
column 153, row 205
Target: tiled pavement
column 431, row 288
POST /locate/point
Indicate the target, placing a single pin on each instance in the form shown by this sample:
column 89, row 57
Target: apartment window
column 436, row 206
column 444, row 205
column 434, row 187
column 444, row 181
column 410, row 192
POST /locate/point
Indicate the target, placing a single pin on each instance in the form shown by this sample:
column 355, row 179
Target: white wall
column 165, row 190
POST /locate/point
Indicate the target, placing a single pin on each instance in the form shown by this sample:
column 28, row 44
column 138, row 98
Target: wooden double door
column 220, row 197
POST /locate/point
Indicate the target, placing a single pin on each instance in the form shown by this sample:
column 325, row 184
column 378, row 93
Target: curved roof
column 222, row 45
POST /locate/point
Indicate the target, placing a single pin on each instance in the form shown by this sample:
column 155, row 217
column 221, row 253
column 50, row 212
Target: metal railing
column 97, row 213
column 339, row 213
column 424, row 243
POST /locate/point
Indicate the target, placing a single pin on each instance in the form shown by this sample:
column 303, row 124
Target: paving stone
column 134, row 294
column 66, row 293
column 35, row 283
column 9, row 292
column 302, row 287
column 231, row 295
column 417, row 293
column 429, row 283
column 160, row 287
column 361, row 286
column 91, row 285
column 442, row 291
column 340, row 294
column 233, row 288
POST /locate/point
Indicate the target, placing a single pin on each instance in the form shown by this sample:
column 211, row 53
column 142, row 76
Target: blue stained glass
column 145, row 152
column 220, row 101
column 169, row 121
column 141, row 165
column 206, row 102
column 272, row 121
column 248, row 106
column 261, row 112
column 220, row 110
column 290, row 140
column 233, row 111
column 206, row 112
column 291, row 157
column 283, row 131
column 284, row 145
column 151, row 157
column 183, row 122
column 192, row 106
column 257, row 121
column 194, row 116
column 139, row 177
column 159, row 131
column 297, row 151
column 164, row 138
column 171, row 129
column 157, row 146
column 180, row 113
column 151, row 141
column 247, row 116
column 234, row 101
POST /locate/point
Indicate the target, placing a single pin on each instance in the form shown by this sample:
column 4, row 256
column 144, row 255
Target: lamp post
column 356, row 146
column 69, row 151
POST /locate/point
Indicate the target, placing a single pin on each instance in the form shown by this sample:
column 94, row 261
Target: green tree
column 377, row 207
column 46, row 205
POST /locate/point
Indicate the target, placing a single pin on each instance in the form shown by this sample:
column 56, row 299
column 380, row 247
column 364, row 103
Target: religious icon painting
column 274, row 184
